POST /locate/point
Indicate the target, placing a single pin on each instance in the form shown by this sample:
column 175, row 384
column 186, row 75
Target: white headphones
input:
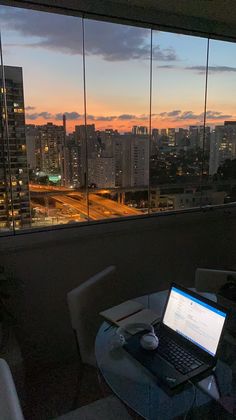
column 148, row 341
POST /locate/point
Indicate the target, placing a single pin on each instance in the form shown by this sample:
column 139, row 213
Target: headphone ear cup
column 149, row 341
column 120, row 337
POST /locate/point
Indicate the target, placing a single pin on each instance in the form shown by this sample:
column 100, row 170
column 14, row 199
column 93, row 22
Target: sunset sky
column 49, row 49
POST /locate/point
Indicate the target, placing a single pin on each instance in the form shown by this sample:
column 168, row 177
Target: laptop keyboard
column 181, row 359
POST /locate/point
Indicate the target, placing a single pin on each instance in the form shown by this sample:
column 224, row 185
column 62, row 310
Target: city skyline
column 117, row 73
column 45, row 171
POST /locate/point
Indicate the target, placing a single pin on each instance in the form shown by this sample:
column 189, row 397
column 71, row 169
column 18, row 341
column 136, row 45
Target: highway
column 113, row 206
column 79, row 205
column 99, row 207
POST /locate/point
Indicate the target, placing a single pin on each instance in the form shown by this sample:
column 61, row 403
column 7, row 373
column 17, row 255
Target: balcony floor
column 49, row 393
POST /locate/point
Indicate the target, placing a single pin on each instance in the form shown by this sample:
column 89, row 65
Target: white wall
column 149, row 253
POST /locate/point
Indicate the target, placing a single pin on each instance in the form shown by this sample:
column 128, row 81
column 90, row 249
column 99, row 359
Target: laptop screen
column 194, row 319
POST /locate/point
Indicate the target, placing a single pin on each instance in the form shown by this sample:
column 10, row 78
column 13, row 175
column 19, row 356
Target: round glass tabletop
column 137, row 387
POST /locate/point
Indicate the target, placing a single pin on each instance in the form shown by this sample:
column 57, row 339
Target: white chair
column 99, row 292
column 208, row 280
column 10, row 408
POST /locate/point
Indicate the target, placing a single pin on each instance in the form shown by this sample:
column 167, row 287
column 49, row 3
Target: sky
column 49, row 49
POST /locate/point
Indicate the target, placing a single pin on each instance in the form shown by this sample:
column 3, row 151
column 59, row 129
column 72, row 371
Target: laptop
column 189, row 335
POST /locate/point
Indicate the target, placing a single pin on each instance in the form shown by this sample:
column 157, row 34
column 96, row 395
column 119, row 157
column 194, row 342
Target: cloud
column 29, row 108
column 189, row 115
column 167, row 54
column 45, row 115
column 70, row 116
column 174, row 113
column 178, row 115
column 169, row 114
column 200, row 69
column 73, row 116
column 90, row 117
column 125, row 117
column 214, row 115
column 55, row 32
column 172, row 116
column 103, row 118
column 167, row 66
column 212, row 69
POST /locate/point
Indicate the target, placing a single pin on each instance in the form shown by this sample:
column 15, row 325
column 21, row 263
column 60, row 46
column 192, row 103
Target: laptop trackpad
column 164, row 371
column 160, row 368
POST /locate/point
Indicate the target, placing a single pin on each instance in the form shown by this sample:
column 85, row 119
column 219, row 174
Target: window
column 103, row 120
column 177, row 116
column 220, row 149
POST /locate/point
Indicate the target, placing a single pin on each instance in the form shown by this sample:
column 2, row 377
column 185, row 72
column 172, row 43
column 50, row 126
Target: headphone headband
column 122, row 331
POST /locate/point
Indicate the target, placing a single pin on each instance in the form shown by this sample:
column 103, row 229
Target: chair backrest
column 98, row 293
column 208, row 280
column 10, row 408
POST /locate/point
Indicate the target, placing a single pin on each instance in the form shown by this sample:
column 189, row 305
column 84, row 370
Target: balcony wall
column 149, row 253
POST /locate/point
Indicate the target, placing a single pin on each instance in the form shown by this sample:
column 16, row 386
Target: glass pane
column 177, row 121
column 221, row 153
column 43, row 55
column 117, row 80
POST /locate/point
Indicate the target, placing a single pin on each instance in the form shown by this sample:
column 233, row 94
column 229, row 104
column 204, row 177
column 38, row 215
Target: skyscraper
column 139, row 161
column 223, row 145
column 86, row 139
column 49, row 143
column 139, row 130
column 14, row 187
column 171, row 137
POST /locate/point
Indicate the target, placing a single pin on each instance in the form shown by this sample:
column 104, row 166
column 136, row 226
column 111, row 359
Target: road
column 99, row 207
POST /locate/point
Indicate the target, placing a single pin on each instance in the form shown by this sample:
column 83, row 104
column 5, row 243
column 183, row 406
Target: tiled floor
column 52, row 392
column 48, row 393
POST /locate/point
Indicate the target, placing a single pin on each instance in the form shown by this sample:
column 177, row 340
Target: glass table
column 137, row 388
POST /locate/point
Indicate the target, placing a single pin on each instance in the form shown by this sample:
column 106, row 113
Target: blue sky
column 49, row 47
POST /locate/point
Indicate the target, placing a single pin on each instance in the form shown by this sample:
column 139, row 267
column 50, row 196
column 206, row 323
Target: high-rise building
column 101, row 172
column 223, row 146
column 163, row 141
column 199, row 137
column 31, row 134
column 122, row 160
column 139, row 161
column 139, row 130
column 182, row 138
column 71, row 156
column 86, row 139
column 154, row 141
column 131, row 154
column 171, row 137
column 49, row 143
column 14, row 186
column 101, row 163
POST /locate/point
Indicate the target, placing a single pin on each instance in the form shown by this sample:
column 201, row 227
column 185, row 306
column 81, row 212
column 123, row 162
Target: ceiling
column 202, row 17
column 220, row 10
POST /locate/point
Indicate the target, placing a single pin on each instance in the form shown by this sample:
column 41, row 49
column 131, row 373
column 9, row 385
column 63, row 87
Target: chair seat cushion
column 109, row 408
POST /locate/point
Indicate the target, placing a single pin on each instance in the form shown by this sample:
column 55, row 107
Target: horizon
column 127, row 132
